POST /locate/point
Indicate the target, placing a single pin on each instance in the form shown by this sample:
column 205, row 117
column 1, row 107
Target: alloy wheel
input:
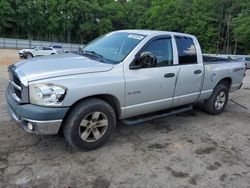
column 93, row 126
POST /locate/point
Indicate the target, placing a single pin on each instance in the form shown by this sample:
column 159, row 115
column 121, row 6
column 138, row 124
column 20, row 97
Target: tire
column 218, row 100
column 29, row 55
column 89, row 117
column 53, row 54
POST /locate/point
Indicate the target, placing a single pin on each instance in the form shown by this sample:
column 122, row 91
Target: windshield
column 113, row 47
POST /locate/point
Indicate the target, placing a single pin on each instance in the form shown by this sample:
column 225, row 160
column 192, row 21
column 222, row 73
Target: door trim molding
column 145, row 103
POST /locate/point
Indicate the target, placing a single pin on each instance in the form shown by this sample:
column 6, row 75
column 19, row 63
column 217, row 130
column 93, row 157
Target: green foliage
column 203, row 13
column 105, row 26
column 6, row 13
column 241, row 27
column 222, row 26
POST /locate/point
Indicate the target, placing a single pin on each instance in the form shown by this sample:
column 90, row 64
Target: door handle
column 197, row 72
column 168, row 75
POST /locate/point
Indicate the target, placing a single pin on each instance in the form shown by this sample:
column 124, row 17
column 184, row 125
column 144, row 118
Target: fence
column 22, row 43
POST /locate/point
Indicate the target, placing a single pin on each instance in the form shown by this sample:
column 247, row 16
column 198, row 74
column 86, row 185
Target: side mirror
column 136, row 64
column 146, row 60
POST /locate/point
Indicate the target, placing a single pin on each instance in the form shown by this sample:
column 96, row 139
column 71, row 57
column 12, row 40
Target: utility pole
column 235, row 45
column 228, row 32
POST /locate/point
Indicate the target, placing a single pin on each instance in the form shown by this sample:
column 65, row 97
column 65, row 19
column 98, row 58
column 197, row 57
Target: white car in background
column 37, row 51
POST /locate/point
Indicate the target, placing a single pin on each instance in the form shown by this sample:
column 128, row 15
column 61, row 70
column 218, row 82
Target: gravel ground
column 187, row 150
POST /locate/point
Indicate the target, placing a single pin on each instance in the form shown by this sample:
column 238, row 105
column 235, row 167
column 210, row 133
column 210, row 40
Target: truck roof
column 153, row 32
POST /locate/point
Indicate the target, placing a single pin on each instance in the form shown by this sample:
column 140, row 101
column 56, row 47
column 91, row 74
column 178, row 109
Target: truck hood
column 25, row 50
column 60, row 65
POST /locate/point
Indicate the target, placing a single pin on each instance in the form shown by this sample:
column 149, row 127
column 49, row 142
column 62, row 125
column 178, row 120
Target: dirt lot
column 187, row 150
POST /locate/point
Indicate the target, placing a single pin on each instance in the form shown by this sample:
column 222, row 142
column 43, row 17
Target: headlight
column 47, row 94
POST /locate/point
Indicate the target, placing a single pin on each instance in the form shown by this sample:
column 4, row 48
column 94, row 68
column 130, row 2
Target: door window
column 162, row 49
column 47, row 48
column 186, row 50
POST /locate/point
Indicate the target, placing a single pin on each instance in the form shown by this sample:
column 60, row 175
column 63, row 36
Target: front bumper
column 22, row 55
column 36, row 119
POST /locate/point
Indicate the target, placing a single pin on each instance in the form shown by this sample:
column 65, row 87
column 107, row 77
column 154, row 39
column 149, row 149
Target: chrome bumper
column 38, row 127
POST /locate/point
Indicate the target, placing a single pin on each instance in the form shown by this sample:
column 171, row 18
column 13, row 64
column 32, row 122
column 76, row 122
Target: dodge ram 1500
column 129, row 75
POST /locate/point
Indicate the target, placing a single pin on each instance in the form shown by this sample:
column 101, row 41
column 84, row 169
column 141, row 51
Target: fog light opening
column 30, row 126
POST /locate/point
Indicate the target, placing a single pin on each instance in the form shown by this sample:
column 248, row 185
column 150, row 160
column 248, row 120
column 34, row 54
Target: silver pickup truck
column 129, row 75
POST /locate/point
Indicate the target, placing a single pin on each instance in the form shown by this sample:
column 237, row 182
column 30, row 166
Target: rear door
column 190, row 79
column 46, row 51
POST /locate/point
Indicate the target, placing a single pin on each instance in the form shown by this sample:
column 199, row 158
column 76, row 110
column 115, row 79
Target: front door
column 46, row 51
column 151, row 89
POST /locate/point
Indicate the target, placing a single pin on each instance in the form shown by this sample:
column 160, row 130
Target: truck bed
column 217, row 68
column 215, row 60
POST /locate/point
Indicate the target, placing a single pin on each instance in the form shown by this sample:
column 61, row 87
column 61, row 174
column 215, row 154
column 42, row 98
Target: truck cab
column 177, row 75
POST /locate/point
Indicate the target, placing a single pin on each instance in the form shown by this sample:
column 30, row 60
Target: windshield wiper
column 94, row 54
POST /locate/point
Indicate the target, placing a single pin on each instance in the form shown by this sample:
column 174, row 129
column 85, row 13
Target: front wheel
column 218, row 100
column 29, row 55
column 89, row 124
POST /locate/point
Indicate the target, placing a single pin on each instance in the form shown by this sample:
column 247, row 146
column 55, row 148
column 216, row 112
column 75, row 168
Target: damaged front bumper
column 36, row 119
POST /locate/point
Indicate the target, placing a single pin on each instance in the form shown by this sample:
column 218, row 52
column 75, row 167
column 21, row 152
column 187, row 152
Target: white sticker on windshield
column 137, row 37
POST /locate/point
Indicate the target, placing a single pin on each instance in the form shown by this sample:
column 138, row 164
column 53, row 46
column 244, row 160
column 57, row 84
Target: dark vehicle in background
column 246, row 60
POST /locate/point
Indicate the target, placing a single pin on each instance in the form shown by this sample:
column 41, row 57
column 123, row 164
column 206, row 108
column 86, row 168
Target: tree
column 241, row 31
column 203, row 23
column 105, row 26
column 6, row 13
column 222, row 26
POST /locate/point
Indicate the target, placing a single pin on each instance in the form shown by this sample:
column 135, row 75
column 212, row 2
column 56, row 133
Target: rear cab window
column 186, row 50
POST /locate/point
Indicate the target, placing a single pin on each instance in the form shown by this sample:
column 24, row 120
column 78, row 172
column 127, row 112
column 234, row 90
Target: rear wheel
column 218, row 100
column 89, row 124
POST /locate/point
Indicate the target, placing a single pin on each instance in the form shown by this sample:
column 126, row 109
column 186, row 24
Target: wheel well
column 226, row 81
column 29, row 53
column 111, row 100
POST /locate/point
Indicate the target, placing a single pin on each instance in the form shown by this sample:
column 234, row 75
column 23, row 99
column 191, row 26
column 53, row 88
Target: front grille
column 18, row 91
column 16, row 80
